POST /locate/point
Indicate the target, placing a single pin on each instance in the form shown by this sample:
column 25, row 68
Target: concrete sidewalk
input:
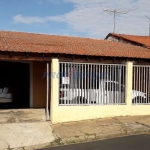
column 75, row 132
column 100, row 129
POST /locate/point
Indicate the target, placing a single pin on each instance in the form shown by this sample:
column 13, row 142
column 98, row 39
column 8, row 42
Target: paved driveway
column 21, row 128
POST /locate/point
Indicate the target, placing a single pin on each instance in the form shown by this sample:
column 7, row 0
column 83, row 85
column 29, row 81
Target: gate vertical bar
column 119, row 96
column 139, row 81
column 102, row 85
column 88, row 76
column 110, row 72
column 85, row 87
column 96, row 89
column 146, row 77
column 82, row 84
column 148, row 97
column 99, row 86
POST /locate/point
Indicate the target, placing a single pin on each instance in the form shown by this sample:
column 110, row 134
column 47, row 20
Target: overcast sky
column 84, row 18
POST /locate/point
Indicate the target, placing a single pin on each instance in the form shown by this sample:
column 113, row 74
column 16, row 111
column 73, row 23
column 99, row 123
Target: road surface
column 139, row 142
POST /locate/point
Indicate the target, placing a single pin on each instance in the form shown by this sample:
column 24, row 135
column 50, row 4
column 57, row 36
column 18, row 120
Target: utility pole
column 115, row 12
column 149, row 23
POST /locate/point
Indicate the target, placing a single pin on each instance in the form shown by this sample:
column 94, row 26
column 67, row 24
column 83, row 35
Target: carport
column 24, row 70
column 27, row 81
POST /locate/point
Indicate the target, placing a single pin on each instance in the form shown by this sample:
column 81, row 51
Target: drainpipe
column 47, row 97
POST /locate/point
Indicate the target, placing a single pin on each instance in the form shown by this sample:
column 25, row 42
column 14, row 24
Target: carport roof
column 43, row 43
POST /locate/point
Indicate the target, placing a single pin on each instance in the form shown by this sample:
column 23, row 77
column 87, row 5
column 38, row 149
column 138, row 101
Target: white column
column 128, row 89
column 54, row 89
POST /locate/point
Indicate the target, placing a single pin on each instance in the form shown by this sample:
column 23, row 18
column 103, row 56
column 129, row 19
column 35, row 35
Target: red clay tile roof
column 144, row 40
column 41, row 43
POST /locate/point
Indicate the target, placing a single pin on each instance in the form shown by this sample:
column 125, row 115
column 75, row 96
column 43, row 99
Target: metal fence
column 141, row 84
column 91, row 84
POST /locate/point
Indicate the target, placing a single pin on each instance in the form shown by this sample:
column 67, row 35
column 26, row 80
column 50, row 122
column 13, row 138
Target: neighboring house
column 89, row 78
column 143, row 41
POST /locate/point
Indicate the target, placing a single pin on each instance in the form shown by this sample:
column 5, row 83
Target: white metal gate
column 91, row 84
column 141, row 84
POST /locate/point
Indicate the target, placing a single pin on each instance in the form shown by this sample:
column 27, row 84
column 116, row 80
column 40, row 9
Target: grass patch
column 9, row 148
column 57, row 141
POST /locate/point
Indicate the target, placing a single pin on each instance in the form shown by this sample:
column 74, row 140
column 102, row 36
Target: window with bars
column 87, row 84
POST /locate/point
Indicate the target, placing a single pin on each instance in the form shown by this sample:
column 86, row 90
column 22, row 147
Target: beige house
column 74, row 78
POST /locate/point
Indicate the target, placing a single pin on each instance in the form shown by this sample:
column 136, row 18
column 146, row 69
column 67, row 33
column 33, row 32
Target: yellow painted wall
column 54, row 109
column 76, row 113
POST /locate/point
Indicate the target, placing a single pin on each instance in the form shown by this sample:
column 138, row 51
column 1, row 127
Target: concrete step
column 22, row 115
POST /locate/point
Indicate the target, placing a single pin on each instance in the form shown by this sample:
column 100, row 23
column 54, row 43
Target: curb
column 80, row 139
column 90, row 138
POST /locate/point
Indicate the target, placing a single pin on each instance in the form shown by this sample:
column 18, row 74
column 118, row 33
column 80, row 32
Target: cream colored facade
column 76, row 113
column 54, row 91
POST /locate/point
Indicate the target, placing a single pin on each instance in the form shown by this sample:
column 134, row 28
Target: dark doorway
column 15, row 76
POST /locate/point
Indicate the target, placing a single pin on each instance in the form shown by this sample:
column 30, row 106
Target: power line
column 149, row 23
column 116, row 12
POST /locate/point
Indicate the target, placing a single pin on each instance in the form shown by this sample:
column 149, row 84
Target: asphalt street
column 139, row 142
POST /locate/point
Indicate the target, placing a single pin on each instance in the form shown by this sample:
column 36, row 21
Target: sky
column 82, row 18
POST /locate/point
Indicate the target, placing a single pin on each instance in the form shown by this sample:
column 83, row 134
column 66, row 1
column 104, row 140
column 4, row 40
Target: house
column 143, row 41
column 74, row 78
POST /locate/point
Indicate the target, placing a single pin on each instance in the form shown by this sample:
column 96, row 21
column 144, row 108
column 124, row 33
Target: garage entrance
column 14, row 85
